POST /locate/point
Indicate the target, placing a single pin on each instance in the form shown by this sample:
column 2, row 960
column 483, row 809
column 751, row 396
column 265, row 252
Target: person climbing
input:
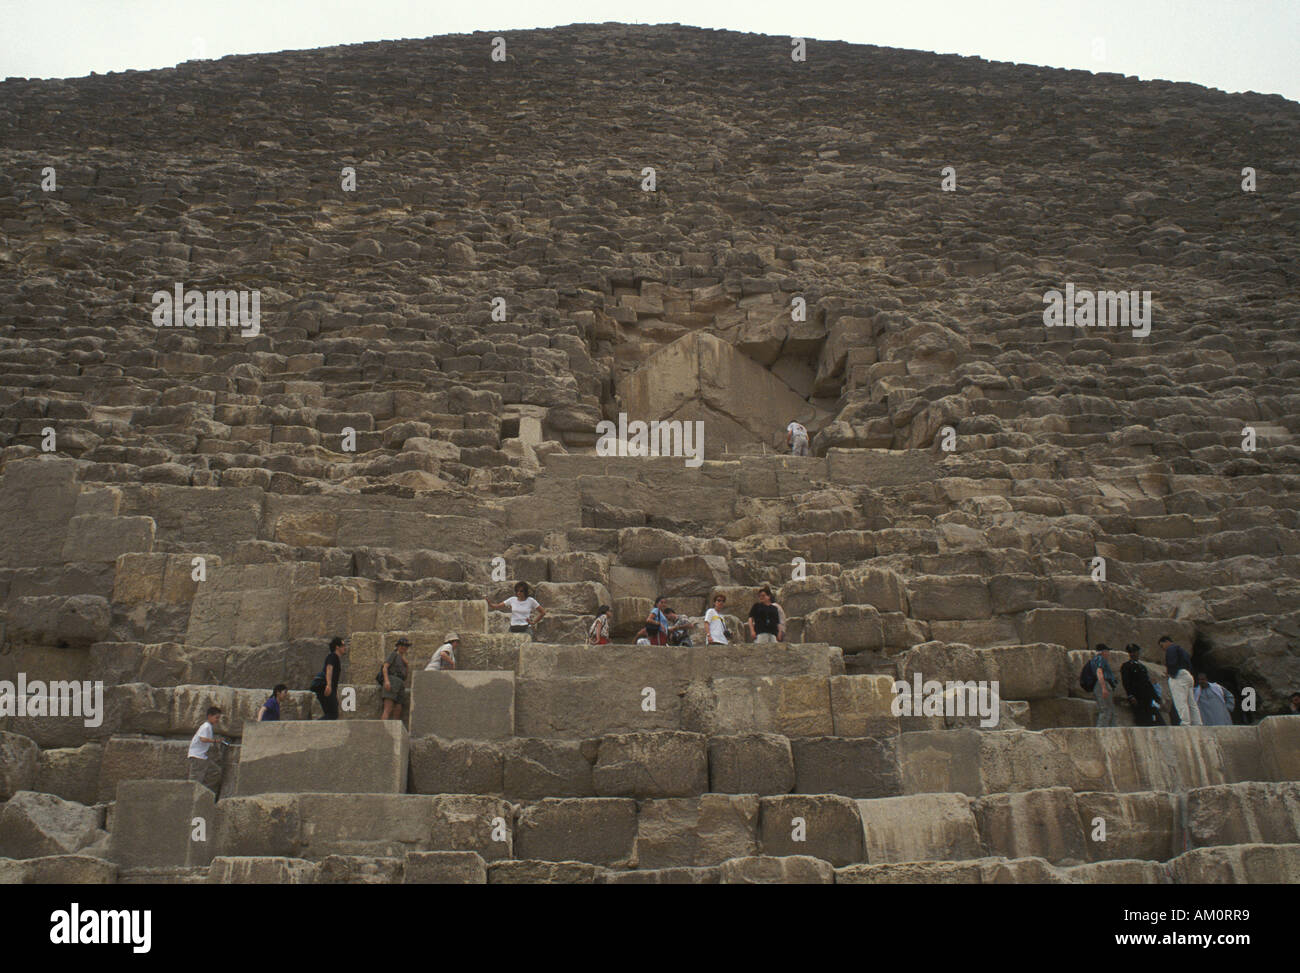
column 523, row 607
column 796, row 437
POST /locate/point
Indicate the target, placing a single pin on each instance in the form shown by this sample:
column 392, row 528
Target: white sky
column 1236, row 45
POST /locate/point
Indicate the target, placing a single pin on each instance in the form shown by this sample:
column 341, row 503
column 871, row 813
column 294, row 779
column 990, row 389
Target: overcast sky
column 1236, row 45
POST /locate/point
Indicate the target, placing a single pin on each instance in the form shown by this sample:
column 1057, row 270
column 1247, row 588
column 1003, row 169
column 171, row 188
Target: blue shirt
column 272, row 709
column 1176, row 659
column 1100, row 664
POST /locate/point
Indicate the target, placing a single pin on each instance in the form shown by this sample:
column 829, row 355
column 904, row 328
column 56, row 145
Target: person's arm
column 750, row 622
column 387, row 684
column 780, row 624
column 495, row 605
column 261, row 714
column 448, row 661
column 329, row 679
column 539, row 612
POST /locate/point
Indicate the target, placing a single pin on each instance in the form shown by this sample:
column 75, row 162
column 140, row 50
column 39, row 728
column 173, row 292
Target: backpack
column 317, row 683
column 1088, row 677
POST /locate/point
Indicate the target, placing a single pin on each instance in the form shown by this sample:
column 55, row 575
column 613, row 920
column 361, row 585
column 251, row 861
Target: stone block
column 862, row 705
column 697, row 831
column 854, row 628
column 751, row 763
column 597, row 830
column 650, row 765
column 463, row 704
column 444, row 868
column 154, row 824
column 455, row 766
column 324, row 757
column 20, row 760
column 1033, row 824
column 262, row 871
column 537, row 768
column 920, row 827
column 789, row 705
column 848, row 766
column 783, row 870
column 823, row 826
column 104, row 539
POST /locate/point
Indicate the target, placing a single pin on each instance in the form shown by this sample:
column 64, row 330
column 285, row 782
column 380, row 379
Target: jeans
column 1105, row 703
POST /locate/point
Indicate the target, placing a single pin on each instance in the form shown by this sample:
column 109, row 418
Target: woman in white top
column 524, row 609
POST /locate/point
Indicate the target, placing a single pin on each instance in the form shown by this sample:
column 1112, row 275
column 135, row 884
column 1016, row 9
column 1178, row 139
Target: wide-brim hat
column 452, row 637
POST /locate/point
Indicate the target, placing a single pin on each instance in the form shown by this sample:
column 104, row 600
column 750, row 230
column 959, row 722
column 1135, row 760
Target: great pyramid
column 468, row 252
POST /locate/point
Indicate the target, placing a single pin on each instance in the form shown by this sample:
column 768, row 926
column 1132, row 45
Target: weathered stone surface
column 58, row 870
column 19, row 764
column 444, row 868
column 829, row 826
column 789, row 705
column 323, row 756
column 599, row 830
column 925, row 827
column 35, row 825
column 1033, row 824
column 1233, row 864
column 751, row 763
column 262, row 871
column 849, row 766
column 459, row 704
column 456, row 766
column 645, row 765
column 704, row 830
column 783, row 870
column 536, row 768
column 154, row 824
column 524, row 872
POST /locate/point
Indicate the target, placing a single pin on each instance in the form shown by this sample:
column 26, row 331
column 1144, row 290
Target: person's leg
column 1105, row 704
column 1181, row 689
column 196, row 767
column 212, row 775
column 388, row 710
column 330, row 704
column 397, row 711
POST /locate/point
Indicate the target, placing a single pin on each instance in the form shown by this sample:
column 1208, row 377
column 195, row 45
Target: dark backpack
column 1088, row 677
column 318, row 683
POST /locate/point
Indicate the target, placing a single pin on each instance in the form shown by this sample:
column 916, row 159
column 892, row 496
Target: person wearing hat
column 445, row 657
column 393, row 678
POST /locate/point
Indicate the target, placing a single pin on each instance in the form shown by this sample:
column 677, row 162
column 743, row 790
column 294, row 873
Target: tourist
column 326, row 683
column 598, row 634
column 1103, row 684
column 658, row 622
column 270, row 711
column 1293, row 705
column 1179, row 666
column 523, row 607
column 204, row 765
column 1142, row 695
column 716, row 623
column 445, row 656
column 396, row 670
column 796, row 437
column 764, row 618
column 1214, row 702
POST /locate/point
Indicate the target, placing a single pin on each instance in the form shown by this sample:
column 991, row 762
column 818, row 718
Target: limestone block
column 58, row 870
column 455, row 766
column 940, row 761
column 575, row 597
column 543, row 873
column 262, row 871
column 1143, row 825
column 1238, row 864
column 71, row 772
column 1059, row 626
column 1033, row 824
column 597, row 830
column 140, row 758
column 20, row 760
column 444, row 868
column 1279, row 741
column 38, row 498
column 648, row 546
column 662, row 876
column 104, row 539
column 829, row 825
column 650, row 765
column 538, row 768
column 789, row 705
column 949, row 597
column 922, row 827
column 849, row 766
column 854, row 628
column 65, row 621
column 862, row 705
column 1244, row 813
column 774, row 870
column 696, row 831
column 881, row 588
column 694, row 576
column 324, row 756
column 154, row 822
column 319, row 612
column 751, row 763
column 463, row 704
column 307, row 528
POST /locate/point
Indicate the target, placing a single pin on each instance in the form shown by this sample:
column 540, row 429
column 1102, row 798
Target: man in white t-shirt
column 445, row 657
column 796, row 437
column 524, row 609
column 713, row 618
column 204, row 763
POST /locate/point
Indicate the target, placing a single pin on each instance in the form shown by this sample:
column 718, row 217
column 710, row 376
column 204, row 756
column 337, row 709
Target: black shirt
column 1137, row 681
column 333, row 681
column 767, row 620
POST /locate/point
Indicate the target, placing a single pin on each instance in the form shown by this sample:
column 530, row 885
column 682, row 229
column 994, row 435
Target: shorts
column 764, row 637
column 395, row 694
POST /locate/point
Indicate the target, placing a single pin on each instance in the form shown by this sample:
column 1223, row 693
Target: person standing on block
column 392, row 678
column 523, row 607
column 1103, row 689
column 1179, row 666
column 796, row 437
column 764, row 618
column 327, row 681
column 204, row 765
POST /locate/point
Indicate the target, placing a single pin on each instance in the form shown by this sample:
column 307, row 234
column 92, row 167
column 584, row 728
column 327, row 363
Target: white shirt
column 200, row 745
column 436, row 662
column 796, row 431
column 717, row 627
column 521, row 610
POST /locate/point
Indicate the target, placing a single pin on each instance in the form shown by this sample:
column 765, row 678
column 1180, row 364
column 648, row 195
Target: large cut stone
column 597, row 830
column 163, row 822
column 647, row 765
column 323, row 756
column 461, row 704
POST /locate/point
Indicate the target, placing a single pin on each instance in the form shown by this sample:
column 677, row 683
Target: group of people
column 1194, row 701
column 663, row 626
